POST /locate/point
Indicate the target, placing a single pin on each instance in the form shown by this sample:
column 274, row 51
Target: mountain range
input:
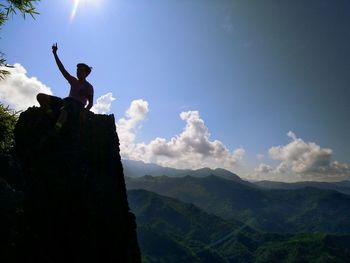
column 341, row 186
column 212, row 215
column 139, row 169
column 272, row 210
column 172, row 231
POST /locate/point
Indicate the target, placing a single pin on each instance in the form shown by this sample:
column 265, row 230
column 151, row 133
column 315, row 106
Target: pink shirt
column 80, row 91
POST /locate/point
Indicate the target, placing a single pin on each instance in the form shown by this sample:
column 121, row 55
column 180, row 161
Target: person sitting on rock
column 81, row 92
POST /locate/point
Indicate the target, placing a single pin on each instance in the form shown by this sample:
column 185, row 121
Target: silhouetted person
column 81, row 92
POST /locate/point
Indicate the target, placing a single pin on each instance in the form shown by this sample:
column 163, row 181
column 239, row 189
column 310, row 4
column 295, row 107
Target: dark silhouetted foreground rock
column 75, row 203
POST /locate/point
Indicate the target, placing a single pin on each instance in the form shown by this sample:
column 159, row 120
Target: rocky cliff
column 74, row 205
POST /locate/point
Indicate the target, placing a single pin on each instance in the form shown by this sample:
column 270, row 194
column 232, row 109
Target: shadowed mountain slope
column 172, row 231
column 300, row 210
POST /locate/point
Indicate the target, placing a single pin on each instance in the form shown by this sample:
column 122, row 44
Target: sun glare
column 74, row 9
column 81, row 3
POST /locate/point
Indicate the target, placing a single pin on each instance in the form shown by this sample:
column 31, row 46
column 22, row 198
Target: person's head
column 83, row 70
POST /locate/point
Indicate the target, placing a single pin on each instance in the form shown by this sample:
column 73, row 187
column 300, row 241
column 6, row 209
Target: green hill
column 172, row 231
column 289, row 211
column 316, row 248
column 183, row 231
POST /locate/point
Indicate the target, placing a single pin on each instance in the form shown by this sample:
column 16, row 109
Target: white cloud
column 302, row 157
column 127, row 128
column 192, row 148
column 19, row 91
column 103, row 104
column 264, row 168
column 306, row 160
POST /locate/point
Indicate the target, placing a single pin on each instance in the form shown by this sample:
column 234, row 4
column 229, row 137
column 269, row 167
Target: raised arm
column 64, row 72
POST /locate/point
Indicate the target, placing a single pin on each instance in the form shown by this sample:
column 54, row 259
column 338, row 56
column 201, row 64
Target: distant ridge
column 139, row 169
column 273, row 210
column 341, row 186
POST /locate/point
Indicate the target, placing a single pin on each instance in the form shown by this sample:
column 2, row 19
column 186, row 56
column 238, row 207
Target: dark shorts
column 51, row 103
column 71, row 104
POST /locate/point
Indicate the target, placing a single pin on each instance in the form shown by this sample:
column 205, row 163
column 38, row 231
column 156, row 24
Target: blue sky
column 254, row 70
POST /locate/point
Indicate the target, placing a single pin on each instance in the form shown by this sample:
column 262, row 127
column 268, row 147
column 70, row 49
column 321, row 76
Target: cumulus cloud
column 128, row 126
column 264, row 168
column 103, row 104
column 302, row 157
column 192, row 148
column 305, row 159
column 19, row 90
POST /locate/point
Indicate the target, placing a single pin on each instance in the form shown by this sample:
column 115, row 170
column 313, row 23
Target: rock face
column 75, row 203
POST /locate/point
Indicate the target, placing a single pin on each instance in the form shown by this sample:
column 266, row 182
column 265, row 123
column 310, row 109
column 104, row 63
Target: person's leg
column 62, row 118
column 72, row 108
column 48, row 102
column 44, row 101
